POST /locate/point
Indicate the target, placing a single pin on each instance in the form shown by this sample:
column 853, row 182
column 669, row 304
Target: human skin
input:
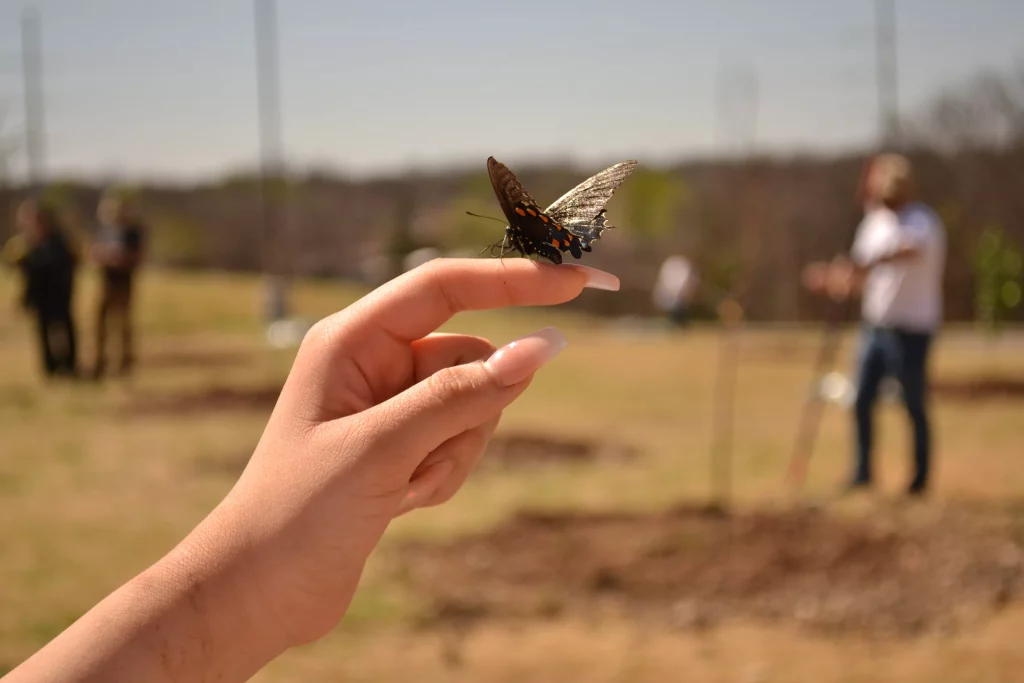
column 378, row 416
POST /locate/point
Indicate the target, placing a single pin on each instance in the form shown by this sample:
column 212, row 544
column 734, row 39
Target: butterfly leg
column 504, row 246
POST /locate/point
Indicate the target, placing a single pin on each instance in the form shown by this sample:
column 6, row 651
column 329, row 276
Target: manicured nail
column 514, row 362
column 596, row 279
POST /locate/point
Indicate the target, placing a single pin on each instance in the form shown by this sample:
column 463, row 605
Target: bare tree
column 985, row 113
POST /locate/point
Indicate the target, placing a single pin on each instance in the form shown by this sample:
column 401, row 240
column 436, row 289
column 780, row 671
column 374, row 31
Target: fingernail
column 424, row 484
column 516, row 361
column 596, row 279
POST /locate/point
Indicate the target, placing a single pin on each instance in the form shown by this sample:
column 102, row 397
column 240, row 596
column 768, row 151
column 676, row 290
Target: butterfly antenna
column 490, row 218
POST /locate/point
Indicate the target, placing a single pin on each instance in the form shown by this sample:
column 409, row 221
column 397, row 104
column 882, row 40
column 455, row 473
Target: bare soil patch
column 693, row 569
column 204, row 401
column 976, row 388
column 525, row 449
column 175, row 358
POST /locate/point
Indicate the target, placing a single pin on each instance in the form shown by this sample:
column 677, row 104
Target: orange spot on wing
column 544, row 218
column 520, row 211
column 531, row 212
column 566, row 243
column 554, row 243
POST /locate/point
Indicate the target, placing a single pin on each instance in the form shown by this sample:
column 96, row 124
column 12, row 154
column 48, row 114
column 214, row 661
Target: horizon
column 451, row 168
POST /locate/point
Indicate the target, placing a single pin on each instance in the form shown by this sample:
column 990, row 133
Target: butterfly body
column 571, row 224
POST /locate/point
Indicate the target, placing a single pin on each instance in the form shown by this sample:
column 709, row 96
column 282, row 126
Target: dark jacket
column 48, row 269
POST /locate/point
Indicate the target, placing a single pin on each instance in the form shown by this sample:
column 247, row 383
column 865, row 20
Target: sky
column 167, row 88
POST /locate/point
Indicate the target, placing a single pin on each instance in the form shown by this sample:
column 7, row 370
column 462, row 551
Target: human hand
column 99, row 252
column 840, row 279
column 815, row 277
column 378, row 416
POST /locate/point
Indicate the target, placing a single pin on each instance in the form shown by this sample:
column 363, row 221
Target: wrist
column 183, row 619
column 212, row 620
column 294, row 577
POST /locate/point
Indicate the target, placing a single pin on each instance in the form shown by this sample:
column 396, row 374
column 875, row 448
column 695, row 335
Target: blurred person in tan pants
column 118, row 251
column 896, row 267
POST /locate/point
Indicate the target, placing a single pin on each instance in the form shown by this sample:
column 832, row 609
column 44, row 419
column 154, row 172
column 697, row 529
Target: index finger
column 418, row 302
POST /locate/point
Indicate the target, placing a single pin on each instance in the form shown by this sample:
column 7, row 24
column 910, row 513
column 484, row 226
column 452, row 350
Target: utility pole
column 32, row 75
column 737, row 105
column 271, row 166
column 737, row 121
column 889, row 138
column 887, row 76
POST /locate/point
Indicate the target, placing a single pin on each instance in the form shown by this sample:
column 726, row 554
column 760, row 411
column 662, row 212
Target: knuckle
column 321, row 334
column 450, row 382
column 487, row 346
column 430, row 273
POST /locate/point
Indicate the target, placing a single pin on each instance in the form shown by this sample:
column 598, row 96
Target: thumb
column 459, row 398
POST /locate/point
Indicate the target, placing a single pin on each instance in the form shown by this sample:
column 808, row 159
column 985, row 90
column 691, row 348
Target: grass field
column 98, row 480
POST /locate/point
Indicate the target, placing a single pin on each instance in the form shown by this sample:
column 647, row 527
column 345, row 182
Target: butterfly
column 572, row 224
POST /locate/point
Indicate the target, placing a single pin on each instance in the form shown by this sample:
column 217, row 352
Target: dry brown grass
column 90, row 493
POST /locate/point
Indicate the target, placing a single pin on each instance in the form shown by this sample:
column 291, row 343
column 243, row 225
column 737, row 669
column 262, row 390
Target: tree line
column 749, row 224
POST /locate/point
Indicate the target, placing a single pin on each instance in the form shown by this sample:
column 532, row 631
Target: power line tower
column 889, row 133
column 271, row 162
column 32, row 74
column 889, row 137
column 737, row 93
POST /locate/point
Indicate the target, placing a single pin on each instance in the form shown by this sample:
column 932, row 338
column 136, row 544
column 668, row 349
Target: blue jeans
column 903, row 356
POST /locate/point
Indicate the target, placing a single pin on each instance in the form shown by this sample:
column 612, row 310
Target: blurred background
column 276, row 160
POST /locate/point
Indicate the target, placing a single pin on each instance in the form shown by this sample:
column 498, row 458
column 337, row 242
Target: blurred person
column 896, row 266
column 674, row 289
column 118, row 251
column 45, row 254
column 379, row 416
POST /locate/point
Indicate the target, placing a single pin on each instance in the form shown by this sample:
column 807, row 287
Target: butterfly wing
column 530, row 230
column 581, row 209
column 510, row 192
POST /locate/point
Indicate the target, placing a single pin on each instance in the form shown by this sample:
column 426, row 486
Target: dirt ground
column 184, row 358
column 509, row 450
column 980, row 387
column 524, row 448
column 202, row 401
column 99, row 480
column 693, row 570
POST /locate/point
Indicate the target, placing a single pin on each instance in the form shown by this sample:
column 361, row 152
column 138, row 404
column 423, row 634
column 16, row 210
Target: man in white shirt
column 898, row 258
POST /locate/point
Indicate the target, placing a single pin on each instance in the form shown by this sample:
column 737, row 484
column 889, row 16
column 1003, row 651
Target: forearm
column 901, row 253
column 186, row 618
column 858, row 270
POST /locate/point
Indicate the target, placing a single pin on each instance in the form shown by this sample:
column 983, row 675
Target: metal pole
column 743, row 124
column 32, row 69
column 271, row 167
column 887, row 75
